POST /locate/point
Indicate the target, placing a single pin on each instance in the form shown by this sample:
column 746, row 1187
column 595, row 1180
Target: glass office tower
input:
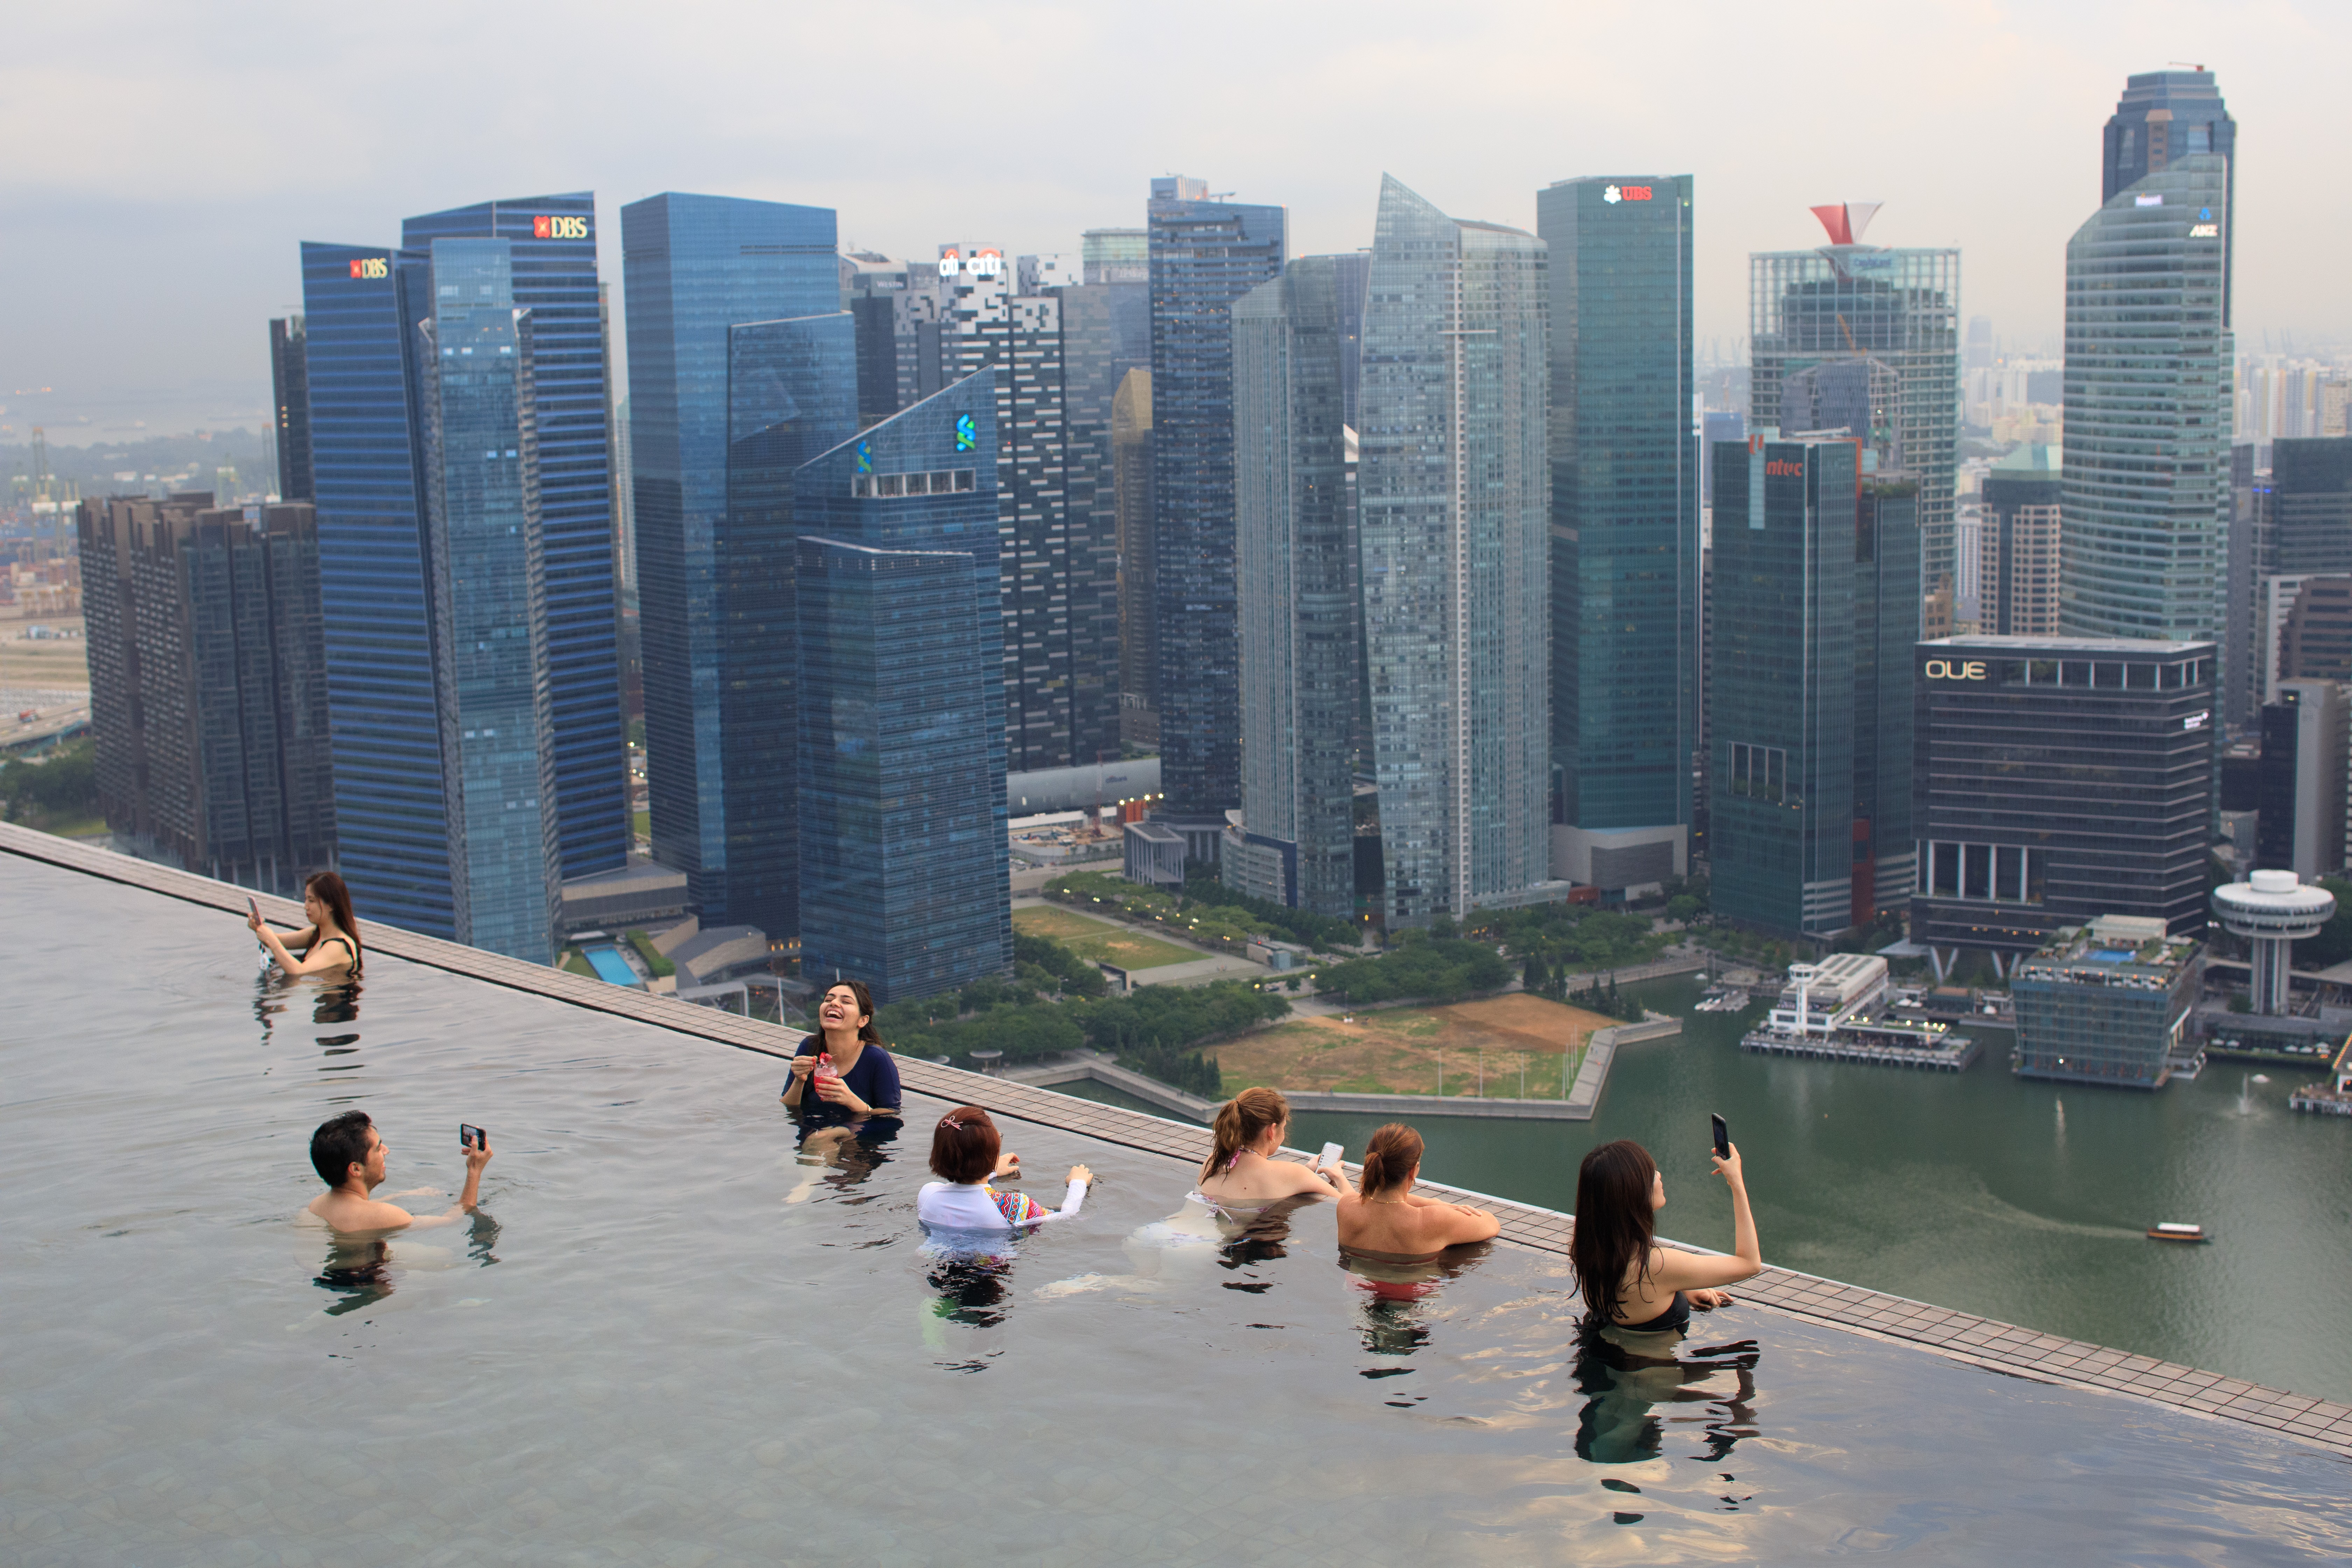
column 1295, row 840
column 391, row 819
column 1453, row 492
column 791, row 394
column 1624, row 527
column 692, row 266
column 2164, row 116
column 1204, row 254
column 1138, row 624
column 289, row 382
column 487, row 573
column 552, row 240
column 2145, row 469
column 903, row 861
column 1847, row 300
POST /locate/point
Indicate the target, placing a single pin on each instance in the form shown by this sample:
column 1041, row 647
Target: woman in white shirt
column 966, row 1152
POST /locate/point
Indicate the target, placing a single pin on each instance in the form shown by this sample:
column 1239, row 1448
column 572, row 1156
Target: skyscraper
column 693, row 266
column 1138, row 624
column 1816, row 594
column 1204, row 254
column 2311, row 505
column 1295, row 840
column 2018, row 578
column 1454, row 497
column 208, row 684
column 486, row 581
column 2146, row 499
column 553, row 241
column 904, row 862
column 289, row 382
column 2163, row 116
column 1625, row 526
column 1849, row 302
column 791, row 394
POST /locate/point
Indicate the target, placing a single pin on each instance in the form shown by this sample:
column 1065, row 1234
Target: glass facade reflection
column 2060, row 779
column 1295, row 841
column 903, row 861
column 692, row 266
column 1454, row 500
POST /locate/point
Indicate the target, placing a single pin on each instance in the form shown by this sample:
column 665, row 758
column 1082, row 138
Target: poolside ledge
column 1961, row 1336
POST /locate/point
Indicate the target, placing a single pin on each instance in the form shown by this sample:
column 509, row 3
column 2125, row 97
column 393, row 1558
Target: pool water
column 677, row 1334
column 609, row 964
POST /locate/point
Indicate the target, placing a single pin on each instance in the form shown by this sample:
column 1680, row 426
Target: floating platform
column 1955, row 1057
column 2170, row 1231
column 2322, row 1099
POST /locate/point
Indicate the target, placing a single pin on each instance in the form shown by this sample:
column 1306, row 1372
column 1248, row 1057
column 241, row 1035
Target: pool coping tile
column 1957, row 1335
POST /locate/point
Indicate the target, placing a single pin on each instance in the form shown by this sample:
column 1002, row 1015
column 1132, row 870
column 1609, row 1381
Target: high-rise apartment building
column 1815, row 586
column 1624, row 528
column 208, row 685
column 289, row 384
column 1204, row 254
column 2018, row 529
column 792, row 395
column 1847, row 301
column 552, row 242
column 2311, row 505
column 2146, row 499
column 692, row 268
column 1454, row 500
column 1293, row 840
column 2059, row 779
column 904, row 862
column 2301, row 780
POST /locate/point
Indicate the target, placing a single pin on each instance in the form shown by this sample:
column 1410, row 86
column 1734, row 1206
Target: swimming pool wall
column 1960, row 1336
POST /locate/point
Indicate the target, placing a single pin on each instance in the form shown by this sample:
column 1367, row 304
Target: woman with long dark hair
column 843, row 1062
column 1629, row 1281
column 329, row 943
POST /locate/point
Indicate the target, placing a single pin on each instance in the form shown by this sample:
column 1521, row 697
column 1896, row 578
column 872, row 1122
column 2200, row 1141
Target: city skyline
column 2022, row 88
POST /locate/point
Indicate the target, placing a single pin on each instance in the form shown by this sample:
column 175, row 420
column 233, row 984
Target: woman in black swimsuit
column 329, row 943
column 1630, row 1282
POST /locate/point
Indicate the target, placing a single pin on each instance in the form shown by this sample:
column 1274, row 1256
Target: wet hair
column 339, row 1144
column 338, row 899
column 865, row 1031
column 1615, row 1226
column 1389, row 1158
column 964, row 1145
column 1242, row 1122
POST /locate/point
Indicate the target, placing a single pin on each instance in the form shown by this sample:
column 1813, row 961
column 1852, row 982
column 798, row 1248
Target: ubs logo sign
column 371, row 266
column 1954, row 670
column 1781, row 469
column 545, row 228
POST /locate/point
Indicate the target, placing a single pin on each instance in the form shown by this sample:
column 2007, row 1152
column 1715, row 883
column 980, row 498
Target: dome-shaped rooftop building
column 2272, row 910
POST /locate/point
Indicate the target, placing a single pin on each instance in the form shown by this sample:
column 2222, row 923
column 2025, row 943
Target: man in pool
column 348, row 1155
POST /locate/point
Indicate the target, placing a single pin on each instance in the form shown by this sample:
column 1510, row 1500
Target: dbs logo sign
column 371, row 266
column 1954, row 670
column 543, row 228
column 1779, row 468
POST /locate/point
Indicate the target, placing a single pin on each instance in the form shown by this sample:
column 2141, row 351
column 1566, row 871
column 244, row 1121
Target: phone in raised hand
column 472, row 1137
column 1722, row 1137
column 253, row 904
column 1328, row 1159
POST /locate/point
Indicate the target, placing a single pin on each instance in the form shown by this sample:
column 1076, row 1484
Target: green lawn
column 1100, row 941
column 642, row 823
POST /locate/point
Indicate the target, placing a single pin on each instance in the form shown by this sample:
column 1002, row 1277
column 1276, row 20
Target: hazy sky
column 164, row 160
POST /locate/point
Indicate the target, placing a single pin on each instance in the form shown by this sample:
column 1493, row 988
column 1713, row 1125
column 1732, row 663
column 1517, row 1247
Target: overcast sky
column 164, row 160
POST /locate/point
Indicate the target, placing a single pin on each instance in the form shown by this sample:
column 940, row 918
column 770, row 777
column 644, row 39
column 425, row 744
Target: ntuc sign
column 544, row 227
column 1954, row 670
column 1781, row 468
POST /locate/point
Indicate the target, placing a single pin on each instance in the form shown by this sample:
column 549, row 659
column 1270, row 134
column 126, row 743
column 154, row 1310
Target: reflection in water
column 1625, row 1376
column 361, row 1273
column 333, row 1000
column 1397, row 1288
column 840, row 1152
column 1203, row 1236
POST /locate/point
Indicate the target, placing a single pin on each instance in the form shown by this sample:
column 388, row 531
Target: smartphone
column 253, row 904
column 1722, row 1137
column 1328, row 1160
column 472, row 1137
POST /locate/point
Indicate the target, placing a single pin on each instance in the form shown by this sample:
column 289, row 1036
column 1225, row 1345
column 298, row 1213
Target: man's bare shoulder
column 358, row 1216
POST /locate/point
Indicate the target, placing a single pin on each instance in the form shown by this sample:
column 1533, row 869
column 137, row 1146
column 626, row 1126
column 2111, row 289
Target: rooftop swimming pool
column 610, row 965
column 678, row 1332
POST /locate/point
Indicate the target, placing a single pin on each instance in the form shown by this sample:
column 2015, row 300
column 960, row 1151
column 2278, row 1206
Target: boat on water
column 2170, row 1231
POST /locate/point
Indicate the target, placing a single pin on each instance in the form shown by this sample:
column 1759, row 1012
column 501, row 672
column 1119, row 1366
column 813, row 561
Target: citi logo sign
column 1782, row 468
column 371, row 266
column 987, row 262
column 1950, row 670
column 544, row 227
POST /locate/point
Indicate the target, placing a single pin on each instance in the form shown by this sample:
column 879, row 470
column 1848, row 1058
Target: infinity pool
column 674, row 1335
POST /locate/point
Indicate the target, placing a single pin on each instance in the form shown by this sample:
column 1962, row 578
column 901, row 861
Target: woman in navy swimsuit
column 1630, row 1282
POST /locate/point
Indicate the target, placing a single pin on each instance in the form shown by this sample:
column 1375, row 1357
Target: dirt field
column 1402, row 1050
column 1100, row 941
column 60, row 664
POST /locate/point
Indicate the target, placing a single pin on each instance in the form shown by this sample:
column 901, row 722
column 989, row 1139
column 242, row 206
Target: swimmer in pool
column 329, row 943
column 348, row 1155
column 1241, row 1167
column 1385, row 1217
column 1630, row 1282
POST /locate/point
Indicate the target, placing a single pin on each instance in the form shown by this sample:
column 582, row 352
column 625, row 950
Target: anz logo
column 543, row 228
column 371, row 266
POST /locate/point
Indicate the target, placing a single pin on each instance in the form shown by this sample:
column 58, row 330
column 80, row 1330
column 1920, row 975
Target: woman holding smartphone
column 1629, row 1281
column 1241, row 1167
column 329, row 943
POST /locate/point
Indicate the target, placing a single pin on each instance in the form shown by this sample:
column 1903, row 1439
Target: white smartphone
column 1328, row 1160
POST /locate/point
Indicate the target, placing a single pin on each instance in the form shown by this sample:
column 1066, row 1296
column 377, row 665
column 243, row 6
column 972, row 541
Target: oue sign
column 1955, row 669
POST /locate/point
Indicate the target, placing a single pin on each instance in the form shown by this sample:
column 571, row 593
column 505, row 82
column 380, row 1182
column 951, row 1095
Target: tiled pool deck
column 1982, row 1341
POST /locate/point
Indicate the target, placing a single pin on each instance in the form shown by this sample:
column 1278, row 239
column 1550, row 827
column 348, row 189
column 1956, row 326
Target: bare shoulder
column 360, row 1216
